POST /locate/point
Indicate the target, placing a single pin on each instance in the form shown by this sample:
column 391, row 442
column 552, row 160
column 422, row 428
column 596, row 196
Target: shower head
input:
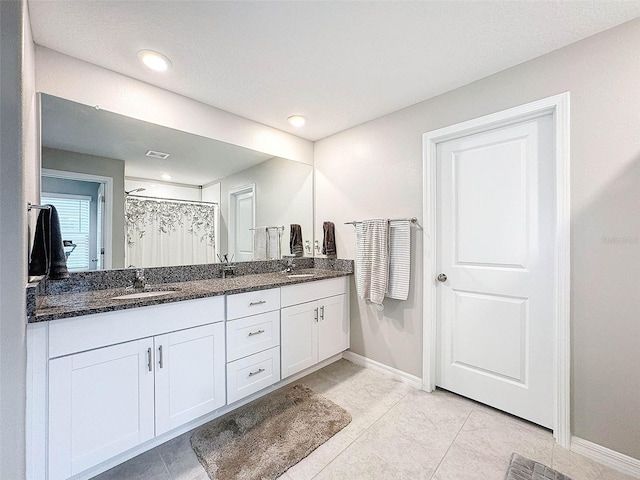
column 134, row 191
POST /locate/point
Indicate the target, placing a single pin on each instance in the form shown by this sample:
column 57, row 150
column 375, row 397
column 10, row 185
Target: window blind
column 74, row 215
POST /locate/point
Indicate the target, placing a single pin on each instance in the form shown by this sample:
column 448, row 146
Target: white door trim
column 558, row 106
column 108, row 204
column 231, row 223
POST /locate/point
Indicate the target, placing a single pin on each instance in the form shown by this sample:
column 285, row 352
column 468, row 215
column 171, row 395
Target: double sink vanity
column 115, row 372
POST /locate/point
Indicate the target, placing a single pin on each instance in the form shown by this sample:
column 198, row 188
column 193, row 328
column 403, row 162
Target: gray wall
column 284, row 195
column 106, row 167
column 18, row 163
column 375, row 170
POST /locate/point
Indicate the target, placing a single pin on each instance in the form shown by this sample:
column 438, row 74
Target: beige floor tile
column 581, row 468
column 359, row 463
column 461, row 463
column 500, row 436
column 284, row 476
column 180, row 459
column 146, row 466
column 401, row 451
column 424, row 415
column 342, row 371
column 309, row 467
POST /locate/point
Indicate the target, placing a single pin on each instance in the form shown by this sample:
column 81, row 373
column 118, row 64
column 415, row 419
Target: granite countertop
column 65, row 305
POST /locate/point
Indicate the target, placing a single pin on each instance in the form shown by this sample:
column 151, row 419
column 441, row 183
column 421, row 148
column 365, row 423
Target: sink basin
column 301, row 275
column 143, row 295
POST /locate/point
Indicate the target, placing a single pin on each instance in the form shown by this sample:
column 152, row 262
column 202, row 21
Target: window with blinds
column 74, row 215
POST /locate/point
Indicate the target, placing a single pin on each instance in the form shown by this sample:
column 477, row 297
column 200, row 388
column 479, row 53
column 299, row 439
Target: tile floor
column 397, row 432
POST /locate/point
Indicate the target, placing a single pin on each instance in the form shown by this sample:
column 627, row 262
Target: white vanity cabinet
column 104, row 400
column 314, row 323
column 253, row 342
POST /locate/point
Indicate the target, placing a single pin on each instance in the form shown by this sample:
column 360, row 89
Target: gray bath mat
column 266, row 437
column 521, row 468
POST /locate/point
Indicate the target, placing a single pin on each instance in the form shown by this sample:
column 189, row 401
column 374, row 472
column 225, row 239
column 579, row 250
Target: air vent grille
column 154, row 154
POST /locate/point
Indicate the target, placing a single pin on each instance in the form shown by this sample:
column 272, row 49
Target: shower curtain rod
column 172, row 199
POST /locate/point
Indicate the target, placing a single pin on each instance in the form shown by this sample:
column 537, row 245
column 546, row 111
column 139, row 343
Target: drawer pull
column 315, row 315
column 260, row 370
column 257, row 332
column 160, row 361
column 322, row 312
column 252, row 304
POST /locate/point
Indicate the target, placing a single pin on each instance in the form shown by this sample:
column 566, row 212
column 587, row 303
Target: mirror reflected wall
column 132, row 193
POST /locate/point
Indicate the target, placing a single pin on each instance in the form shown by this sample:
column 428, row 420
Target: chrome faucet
column 228, row 269
column 139, row 281
column 290, row 266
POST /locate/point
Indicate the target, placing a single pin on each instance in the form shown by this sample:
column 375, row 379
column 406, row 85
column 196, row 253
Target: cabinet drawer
column 249, row 335
column 306, row 292
column 252, row 303
column 251, row 374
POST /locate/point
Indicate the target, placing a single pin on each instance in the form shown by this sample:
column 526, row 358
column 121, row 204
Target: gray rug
column 266, row 437
column 521, row 468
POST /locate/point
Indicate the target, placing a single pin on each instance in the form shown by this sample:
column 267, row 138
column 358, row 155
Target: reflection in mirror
column 145, row 195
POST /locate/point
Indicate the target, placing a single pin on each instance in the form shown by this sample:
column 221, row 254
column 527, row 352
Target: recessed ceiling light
column 166, row 176
column 160, row 155
column 297, row 120
column 154, row 60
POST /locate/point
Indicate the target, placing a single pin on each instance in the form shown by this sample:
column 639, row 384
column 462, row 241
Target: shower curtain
column 164, row 232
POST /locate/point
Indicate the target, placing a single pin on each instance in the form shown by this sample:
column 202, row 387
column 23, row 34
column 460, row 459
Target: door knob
column 442, row 277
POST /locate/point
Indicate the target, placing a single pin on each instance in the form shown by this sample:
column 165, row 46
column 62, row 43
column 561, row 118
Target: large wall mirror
column 132, row 193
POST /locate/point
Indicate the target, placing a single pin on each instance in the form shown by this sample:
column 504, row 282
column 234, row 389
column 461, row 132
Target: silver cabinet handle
column 149, row 359
column 315, row 314
column 257, row 332
column 257, row 303
column 322, row 312
column 160, row 362
column 260, row 370
column 442, row 277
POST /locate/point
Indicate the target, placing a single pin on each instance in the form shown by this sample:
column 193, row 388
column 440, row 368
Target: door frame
column 233, row 193
column 558, row 107
column 107, row 231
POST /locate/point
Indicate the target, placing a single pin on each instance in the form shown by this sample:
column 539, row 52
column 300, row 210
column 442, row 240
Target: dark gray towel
column 47, row 255
column 329, row 241
column 295, row 240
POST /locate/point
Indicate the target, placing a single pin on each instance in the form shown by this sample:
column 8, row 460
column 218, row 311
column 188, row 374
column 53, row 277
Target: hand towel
column 295, row 240
column 260, row 243
column 47, row 255
column 372, row 260
column 273, row 243
column 329, row 239
column 399, row 259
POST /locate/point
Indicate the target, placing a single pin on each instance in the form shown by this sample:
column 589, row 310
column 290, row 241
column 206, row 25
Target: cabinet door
column 100, row 404
column 333, row 326
column 298, row 337
column 190, row 375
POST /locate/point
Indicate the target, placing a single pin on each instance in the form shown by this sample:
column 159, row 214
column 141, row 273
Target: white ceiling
column 193, row 160
column 337, row 63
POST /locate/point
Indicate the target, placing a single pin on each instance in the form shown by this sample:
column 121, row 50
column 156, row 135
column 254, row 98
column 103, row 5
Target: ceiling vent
column 160, row 155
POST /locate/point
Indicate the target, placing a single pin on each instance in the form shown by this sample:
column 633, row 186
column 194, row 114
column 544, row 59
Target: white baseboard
column 404, row 377
column 610, row 458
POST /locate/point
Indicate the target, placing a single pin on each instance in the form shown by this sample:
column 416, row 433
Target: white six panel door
column 496, row 246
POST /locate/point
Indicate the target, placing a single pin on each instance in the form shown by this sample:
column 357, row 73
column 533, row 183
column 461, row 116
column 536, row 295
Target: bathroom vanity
column 111, row 378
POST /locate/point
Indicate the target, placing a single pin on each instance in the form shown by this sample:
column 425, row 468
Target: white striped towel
column 399, row 259
column 273, row 243
column 372, row 261
column 260, row 243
